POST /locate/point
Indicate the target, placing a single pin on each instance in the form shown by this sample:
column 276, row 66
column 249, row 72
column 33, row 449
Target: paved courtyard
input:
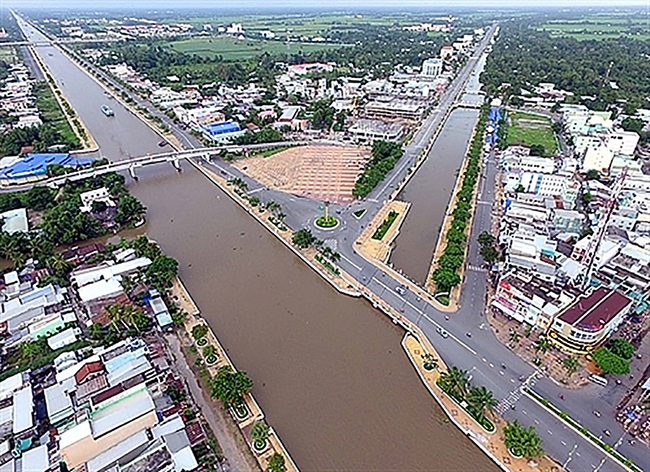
column 326, row 173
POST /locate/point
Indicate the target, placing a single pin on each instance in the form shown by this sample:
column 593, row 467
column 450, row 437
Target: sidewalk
column 379, row 249
column 228, row 436
column 491, row 443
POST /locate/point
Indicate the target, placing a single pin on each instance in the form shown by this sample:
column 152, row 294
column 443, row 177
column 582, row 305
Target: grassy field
column 52, row 113
column 232, row 49
column 600, row 27
column 529, row 129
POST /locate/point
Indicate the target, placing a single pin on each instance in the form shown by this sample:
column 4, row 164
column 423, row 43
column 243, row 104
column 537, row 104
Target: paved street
column 488, row 361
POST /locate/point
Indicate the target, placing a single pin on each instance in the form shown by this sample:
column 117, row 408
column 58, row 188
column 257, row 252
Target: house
column 109, row 423
column 99, row 195
column 589, row 321
column 107, row 270
column 15, row 221
column 569, row 221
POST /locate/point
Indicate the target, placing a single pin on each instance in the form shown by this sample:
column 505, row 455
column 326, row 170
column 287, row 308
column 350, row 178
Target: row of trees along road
column 446, row 275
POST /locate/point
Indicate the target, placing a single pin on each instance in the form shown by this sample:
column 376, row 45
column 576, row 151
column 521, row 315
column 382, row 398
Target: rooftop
column 597, row 309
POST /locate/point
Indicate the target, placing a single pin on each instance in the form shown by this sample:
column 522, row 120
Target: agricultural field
column 599, row 27
column 233, row 49
column 301, row 25
column 529, row 129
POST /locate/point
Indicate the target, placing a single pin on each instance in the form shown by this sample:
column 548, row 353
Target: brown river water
column 329, row 370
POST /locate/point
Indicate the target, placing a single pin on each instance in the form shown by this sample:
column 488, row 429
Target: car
column 399, row 289
column 442, row 332
column 162, row 143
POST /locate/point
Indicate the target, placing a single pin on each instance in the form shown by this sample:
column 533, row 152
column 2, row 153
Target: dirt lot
column 319, row 172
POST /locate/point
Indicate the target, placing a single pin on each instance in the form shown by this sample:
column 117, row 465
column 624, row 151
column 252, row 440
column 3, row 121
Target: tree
column 542, row 345
column 480, row 401
column 98, row 206
column 489, row 254
column 632, row 124
column 537, row 150
column 303, row 238
column 523, row 441
column 127, row 316
column 260, row 432
column 454, row 382
column 593, row 174
column 199, row 331
column 485, row 239
column 586, row 198
column 39, row 198
column 429, row 361
column 514, row 337
column 209, row 351
column 276, row 463
column 162, row 271
column 445, row 279
column 610, row 363
column 229, row 387
column 621, row 348
column 67, row 224
column 129, row 211
column 571, row 365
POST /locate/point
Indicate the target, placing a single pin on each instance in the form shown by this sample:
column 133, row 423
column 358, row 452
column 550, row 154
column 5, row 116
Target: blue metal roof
column 221, row 128
column 36, row 165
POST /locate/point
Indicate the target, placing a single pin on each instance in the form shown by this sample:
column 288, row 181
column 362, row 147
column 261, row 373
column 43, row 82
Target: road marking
column 483, row 359
column 491, row 365
column 512, row 380
column 256, row 190
column 563, row 443
column 536, row 422
column 549, row 432
column 350, row 262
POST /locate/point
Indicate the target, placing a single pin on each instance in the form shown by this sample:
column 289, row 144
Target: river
column 329, row 370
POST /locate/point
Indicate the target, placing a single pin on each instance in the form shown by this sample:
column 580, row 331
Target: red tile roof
column 87, row 369
column 596, row 310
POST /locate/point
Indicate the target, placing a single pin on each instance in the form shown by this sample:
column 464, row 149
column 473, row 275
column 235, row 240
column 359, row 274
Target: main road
column 488, row 361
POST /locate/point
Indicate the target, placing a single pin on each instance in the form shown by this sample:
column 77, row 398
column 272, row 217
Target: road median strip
column 578, row 428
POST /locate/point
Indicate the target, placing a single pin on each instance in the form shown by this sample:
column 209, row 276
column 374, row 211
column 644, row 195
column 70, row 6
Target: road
column 481, row 354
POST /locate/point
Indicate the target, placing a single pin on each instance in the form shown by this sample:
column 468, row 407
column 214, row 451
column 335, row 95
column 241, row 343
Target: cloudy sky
column 352, row 4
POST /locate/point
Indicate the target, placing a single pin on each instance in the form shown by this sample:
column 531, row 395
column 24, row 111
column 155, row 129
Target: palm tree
column 481, row 401
column 58, row 264
column 429, row 362
column 571, row 365
column 126, row 315
column 542, row 345
column 454, row 382
column 281, row 216
column 514, row 337
column 523, row 441
column 335, row 257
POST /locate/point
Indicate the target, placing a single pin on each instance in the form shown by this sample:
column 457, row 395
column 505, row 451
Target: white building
column 597, row 158
column 432, row 67
column 92, row 196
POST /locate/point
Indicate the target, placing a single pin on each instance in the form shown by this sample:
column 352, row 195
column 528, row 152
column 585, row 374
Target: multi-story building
column 395, row 109
column 524, row 297
column 432, row 67
column 588, row 321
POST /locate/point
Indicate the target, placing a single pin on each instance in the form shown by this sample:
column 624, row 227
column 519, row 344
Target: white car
column 400, row 290
column 442, row 332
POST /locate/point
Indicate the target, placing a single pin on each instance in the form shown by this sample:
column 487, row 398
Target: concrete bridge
column 132, row 164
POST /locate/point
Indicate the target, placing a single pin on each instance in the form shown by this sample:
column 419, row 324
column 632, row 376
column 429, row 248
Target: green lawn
column 52, row 113
column 232, row 49
column 529, row 129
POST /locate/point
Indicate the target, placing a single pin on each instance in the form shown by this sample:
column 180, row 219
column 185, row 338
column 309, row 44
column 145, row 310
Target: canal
column 329, row 370
column 429, row 192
